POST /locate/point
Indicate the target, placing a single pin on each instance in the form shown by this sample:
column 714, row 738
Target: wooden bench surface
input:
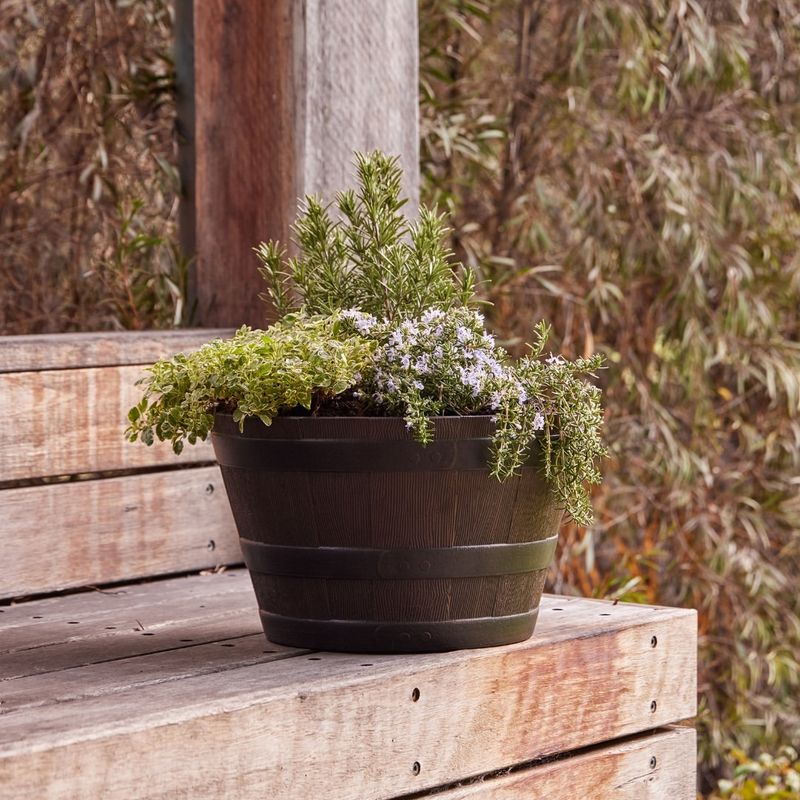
column 169, row 689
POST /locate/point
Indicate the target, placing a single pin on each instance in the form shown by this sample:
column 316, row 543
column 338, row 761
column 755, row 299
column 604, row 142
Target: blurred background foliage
column 629, row 170
column 625, row 168
column 88, row 182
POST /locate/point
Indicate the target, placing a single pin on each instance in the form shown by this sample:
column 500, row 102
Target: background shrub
column 88, row 183
column 629, row 170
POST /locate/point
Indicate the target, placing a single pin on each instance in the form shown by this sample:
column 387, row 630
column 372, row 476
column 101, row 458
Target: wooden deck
column 169, row 689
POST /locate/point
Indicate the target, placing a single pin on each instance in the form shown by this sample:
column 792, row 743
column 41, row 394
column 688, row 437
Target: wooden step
column 169, row 689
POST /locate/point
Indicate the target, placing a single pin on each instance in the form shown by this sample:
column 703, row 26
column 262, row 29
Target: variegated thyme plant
column 377, row 321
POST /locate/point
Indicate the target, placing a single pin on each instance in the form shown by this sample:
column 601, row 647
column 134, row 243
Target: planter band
column 350, row 455
column 398, row 637
column 368, row 563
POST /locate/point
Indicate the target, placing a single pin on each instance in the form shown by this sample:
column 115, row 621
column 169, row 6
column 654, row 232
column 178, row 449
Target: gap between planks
column 658, row 765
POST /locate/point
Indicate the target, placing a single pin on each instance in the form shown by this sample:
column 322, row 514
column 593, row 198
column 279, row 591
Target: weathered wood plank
column 655, row 766
column 590, row 674
column 65, row 422
column 284, row 92
column 128, row 639
column 356, row 76
column 244, row 172
column 34, row 623
column 67, row 535
column 109, row 677
column 81, row 625
column 74, row 350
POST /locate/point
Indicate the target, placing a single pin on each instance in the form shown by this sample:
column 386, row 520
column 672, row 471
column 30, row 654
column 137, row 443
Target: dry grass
column 88, row 186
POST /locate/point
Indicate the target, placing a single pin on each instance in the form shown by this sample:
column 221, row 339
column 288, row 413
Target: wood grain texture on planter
column 91, row 532
column 291, row 485
column 654, row 766
column 74, row 350
column 66, row 422
column 594, row 671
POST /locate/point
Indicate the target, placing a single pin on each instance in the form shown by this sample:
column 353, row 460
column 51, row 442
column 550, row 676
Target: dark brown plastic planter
column 359, row 539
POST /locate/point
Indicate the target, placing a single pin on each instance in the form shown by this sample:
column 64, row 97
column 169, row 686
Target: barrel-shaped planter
column 359, row 539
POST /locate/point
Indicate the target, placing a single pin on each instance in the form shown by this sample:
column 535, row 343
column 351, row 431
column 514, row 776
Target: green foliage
column 572, row 416
column 642, row 195
column 297, row 362
column 777, row 778
column 370, row 257
column 407, row 345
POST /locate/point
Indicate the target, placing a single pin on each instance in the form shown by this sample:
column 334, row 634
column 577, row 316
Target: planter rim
column 340, row 417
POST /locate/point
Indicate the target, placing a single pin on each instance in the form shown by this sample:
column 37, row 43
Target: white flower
column 418, row 385
column 472, row 377
column 538, row 421
column 556, row 360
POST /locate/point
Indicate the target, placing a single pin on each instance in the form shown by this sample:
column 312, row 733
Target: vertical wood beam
column 284, row 92
column 357, row 69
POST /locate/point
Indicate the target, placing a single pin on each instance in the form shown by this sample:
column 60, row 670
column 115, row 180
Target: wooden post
column 283, row 92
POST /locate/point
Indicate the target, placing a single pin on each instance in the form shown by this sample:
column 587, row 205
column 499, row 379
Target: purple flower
column 432, row 314
column 364, row 322
column 463, row 334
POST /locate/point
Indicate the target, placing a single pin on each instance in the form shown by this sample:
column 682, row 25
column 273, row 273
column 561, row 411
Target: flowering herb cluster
column 378, row 322
column 445, row 362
